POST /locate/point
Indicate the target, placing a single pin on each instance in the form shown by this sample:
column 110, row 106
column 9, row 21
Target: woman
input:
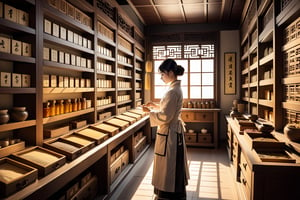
column 170, row 171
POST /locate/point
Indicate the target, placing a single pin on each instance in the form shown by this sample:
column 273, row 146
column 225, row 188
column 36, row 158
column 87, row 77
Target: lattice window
column 170, row 51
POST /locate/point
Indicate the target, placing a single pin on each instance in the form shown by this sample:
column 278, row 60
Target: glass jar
column 52, row 108
column 57, row 108
column 67, row 103
column 74, row 105
column 83, row 103
column 46, row 109
column 79, row 104
column 61, row 106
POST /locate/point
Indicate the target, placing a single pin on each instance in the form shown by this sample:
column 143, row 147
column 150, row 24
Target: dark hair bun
column 179, row 70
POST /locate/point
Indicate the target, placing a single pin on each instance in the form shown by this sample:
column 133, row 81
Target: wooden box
column 5, row 151
column 5, row 79
column 47, row 26
column 26, row 49
column 70, row 149
column 262, row 140
column 274, row 155
column 204, row 138
column 190, row 137
column 16, row 80
column 124, row 159
column 78, row 124
column 15, row 176
column 131, row 120
column 10, row 13
column 80, row 139
column 46, row 53
column 139, row 147
column 25, row 80
column 105, row 115
column 118, row 123
column 87, row 191
column 16, row 47
column 115, row 169
column 134, row 115
column 5, row 44
column 106, row 128
column 46, row 161
column 93, row 134
column 49, row 133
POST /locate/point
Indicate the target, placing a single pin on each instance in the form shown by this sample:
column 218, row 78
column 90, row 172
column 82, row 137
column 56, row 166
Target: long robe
column 169, row 124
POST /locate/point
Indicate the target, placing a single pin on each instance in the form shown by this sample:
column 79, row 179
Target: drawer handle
column 244, row 181
column 117, row 170
column 56, row 166
column 187, row 116
column 22, row 184
column 204, row 116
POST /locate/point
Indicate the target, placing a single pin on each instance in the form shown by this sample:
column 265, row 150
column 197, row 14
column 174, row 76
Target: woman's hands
column 148, row 106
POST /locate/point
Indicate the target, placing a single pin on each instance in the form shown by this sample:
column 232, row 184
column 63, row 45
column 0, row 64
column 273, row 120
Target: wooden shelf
column 67, row 115
column 67, row 67
column 16, row 58
column 124, row 50
column 17, row 125
column 267, row 34
column 291, row 105
column 266, row 82
column 66, row 90
column 291, row 79
column 106, row 106
column 291, row 44
column 106, row 40
column 267, row 59
column 105, row 89
column 17, row 90
column 267, row 103
column 13, row 27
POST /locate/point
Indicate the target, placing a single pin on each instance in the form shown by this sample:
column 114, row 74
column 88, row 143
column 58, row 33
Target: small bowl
column 204, row 130
column 191, row 131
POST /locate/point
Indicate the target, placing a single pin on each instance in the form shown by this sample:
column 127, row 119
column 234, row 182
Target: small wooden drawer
column 45, row 160
column 78, row 124
column 204, row 116
column 138, row 148
column 115, row 169
column 105, row 115
column 137, row 137
column 94, row 134
column 134, row 115
column 187, row 116
column 15, row 176
column 245, row 168
column 131, row 120
column 204, row 138
column 190, row 137
column 245, row 186
column 118, row 123
column 68, row 148
column 124, row 159
column 106, row 128
column 49, row 133
column 88, row 191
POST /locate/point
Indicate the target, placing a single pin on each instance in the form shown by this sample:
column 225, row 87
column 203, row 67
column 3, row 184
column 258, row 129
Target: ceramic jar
column 4, row 117
column 19, row 114
column 292, row 132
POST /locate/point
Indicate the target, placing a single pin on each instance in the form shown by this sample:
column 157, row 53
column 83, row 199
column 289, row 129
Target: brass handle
column 204, row 116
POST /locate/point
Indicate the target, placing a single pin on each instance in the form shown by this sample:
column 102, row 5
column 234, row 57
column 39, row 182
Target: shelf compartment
column 15, row 28
column 106, row 106
column 68, row 115
column 267, row 34
column 6, row 151
column 266, row 82
column 65, row 66
column 61, row 42
column 267, row 59
column 267, row 103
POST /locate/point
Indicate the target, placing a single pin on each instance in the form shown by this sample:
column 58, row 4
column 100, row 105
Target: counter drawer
column 115, row 169
column 187, row 116
column 245, row 187
column 245, row 168
column 190, row 137
column 204, row 116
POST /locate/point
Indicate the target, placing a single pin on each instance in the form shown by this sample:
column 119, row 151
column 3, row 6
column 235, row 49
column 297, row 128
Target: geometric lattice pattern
column 199, row 51
column 189, row 51
column 168, row 51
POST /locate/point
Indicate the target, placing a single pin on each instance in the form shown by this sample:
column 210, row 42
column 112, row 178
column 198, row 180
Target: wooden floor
column 210, row 177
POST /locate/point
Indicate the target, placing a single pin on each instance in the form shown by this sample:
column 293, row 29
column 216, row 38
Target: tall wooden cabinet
column 268, row 34
column 58, row 52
